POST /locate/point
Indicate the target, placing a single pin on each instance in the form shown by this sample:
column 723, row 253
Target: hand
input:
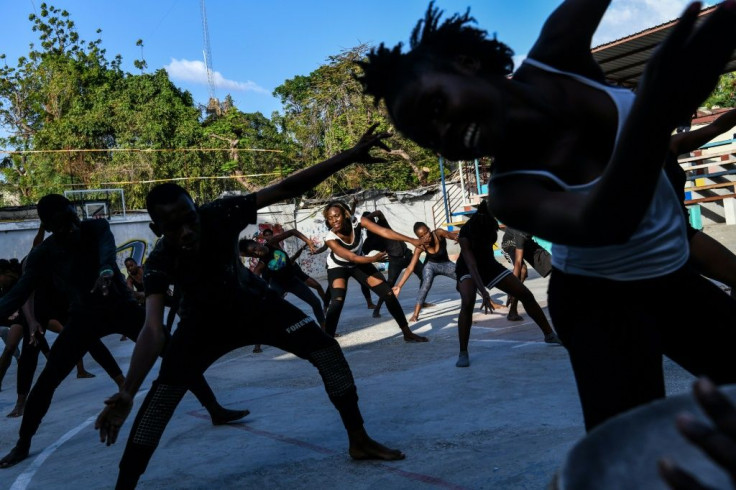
column 14, row 315
column 103, row 283
column 396, row 290
column 416, row 242
column 380, row 257
column 361, row 151
column 718, row 442
column 34, row 327
column 311, row 246
column 688, row 64
column 486, row 305
column 116, row 410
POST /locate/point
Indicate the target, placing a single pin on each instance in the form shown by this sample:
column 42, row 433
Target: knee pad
column 156, row 413
column 334, row 369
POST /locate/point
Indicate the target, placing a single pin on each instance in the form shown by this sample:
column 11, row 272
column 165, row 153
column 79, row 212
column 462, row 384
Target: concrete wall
column 134, row 237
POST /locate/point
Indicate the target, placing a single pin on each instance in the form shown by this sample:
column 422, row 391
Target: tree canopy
column 77, row 120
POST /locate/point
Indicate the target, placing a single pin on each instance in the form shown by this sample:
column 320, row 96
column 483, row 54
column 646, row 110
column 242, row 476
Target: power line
column 136, row 150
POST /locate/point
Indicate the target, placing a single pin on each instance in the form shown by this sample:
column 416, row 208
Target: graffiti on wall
column 135, row 248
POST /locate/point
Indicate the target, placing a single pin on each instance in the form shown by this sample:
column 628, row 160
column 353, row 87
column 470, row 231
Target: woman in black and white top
column 346, row 260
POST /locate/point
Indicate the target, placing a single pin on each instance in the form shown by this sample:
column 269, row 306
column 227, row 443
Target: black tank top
column 441, row 254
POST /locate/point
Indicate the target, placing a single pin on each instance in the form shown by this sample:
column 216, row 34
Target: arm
column 566, row 36
column 670, row 91
column 409, row 270
column 469, row 259
column 320, row 250
column 346, row 254
column 518, row 261
column 289, row 233
column 692, row 140
column 442, row 233
column 260, row 266
column 38, row 239
column 148, row 347
column 387, row 233
column 298, row 253
column 300, row 182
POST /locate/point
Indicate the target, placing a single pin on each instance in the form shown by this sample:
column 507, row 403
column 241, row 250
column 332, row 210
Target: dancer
column 223, row 294
column 519, row 248
column 434, row 245
column 708, row 256
column 345, row 260
column 398, row 254
column 10, row 271
column 275, row 266
column 80, row 257
column 478, row 270
column 451, row 93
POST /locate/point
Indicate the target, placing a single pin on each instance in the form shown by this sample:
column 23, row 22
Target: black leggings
column 194, row 347
column 298, row 288
column 616, row 353
column 360, row 273
column 395, row 266
column 29, row 359
column 82, row 330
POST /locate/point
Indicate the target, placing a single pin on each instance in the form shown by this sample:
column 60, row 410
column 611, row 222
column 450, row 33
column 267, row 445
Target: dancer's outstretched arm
column 566, row 36
column 290, row 233
column 678, row 78
column 388, row 233
column 300, row 182
column 148, row 347
column 408, row 272
column 692, row 140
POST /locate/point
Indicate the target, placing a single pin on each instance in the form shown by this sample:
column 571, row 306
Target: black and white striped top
column 333, row 261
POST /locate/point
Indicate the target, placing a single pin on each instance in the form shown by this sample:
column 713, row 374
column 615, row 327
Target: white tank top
column 658, row 246
column 333, row 260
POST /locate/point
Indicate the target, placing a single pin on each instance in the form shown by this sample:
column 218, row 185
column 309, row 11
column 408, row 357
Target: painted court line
column 410, row 475
column 24, row 479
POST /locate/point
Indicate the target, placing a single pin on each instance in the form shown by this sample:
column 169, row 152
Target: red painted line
column 409, row 475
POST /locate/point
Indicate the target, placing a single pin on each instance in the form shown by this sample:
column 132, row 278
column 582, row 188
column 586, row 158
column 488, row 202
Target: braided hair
column 435, row 45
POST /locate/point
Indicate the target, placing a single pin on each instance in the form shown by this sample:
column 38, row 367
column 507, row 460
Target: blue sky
column 257, row 44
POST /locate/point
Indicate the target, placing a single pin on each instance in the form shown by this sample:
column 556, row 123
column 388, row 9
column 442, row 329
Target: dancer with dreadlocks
column 451, row 93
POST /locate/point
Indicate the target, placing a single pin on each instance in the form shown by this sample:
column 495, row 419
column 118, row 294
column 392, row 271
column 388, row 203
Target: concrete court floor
column 504, row 423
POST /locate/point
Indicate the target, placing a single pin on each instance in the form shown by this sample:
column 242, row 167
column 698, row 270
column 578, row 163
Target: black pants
column 82, row 330
column 29, row 359
column 395, row 266
column 195, row 346
column 299, row 289
column 616, row 353
column 360, row 273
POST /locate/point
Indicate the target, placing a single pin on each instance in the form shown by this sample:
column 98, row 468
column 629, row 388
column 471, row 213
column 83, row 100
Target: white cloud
column 626, row 17
column 195, row 72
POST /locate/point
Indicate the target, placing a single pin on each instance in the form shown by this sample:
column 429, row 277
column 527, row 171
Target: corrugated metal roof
column 623, row 60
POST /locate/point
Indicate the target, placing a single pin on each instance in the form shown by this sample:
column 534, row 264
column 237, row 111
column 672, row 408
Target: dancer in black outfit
column 80, row 257
column 199, row 250
column 399, row 256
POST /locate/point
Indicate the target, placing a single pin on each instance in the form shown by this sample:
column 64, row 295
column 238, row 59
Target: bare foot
column 17, row 410
column 367, row 448
column 85, row 374
column 371, row 306
column 257, row 349
column 514, row 317
column 222, row 415
column 428, row 305
column 414, row 318
column 497, row 306
column 412, row 337
column 123, row 338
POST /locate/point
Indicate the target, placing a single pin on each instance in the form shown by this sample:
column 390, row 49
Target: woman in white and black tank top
column 345, row 260
column 591, row 183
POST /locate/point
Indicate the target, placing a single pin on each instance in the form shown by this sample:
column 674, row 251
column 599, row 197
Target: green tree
column 724, row 94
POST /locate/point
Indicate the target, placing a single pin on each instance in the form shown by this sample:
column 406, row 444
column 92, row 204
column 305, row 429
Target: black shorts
column 491, row 272
column 534, row 255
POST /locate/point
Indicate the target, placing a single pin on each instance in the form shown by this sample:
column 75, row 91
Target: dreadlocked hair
column 336, row 204
column 432, row 43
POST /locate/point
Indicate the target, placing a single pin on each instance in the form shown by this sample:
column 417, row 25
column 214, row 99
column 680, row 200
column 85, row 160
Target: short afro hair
column 164, row 194
column 51, row 204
